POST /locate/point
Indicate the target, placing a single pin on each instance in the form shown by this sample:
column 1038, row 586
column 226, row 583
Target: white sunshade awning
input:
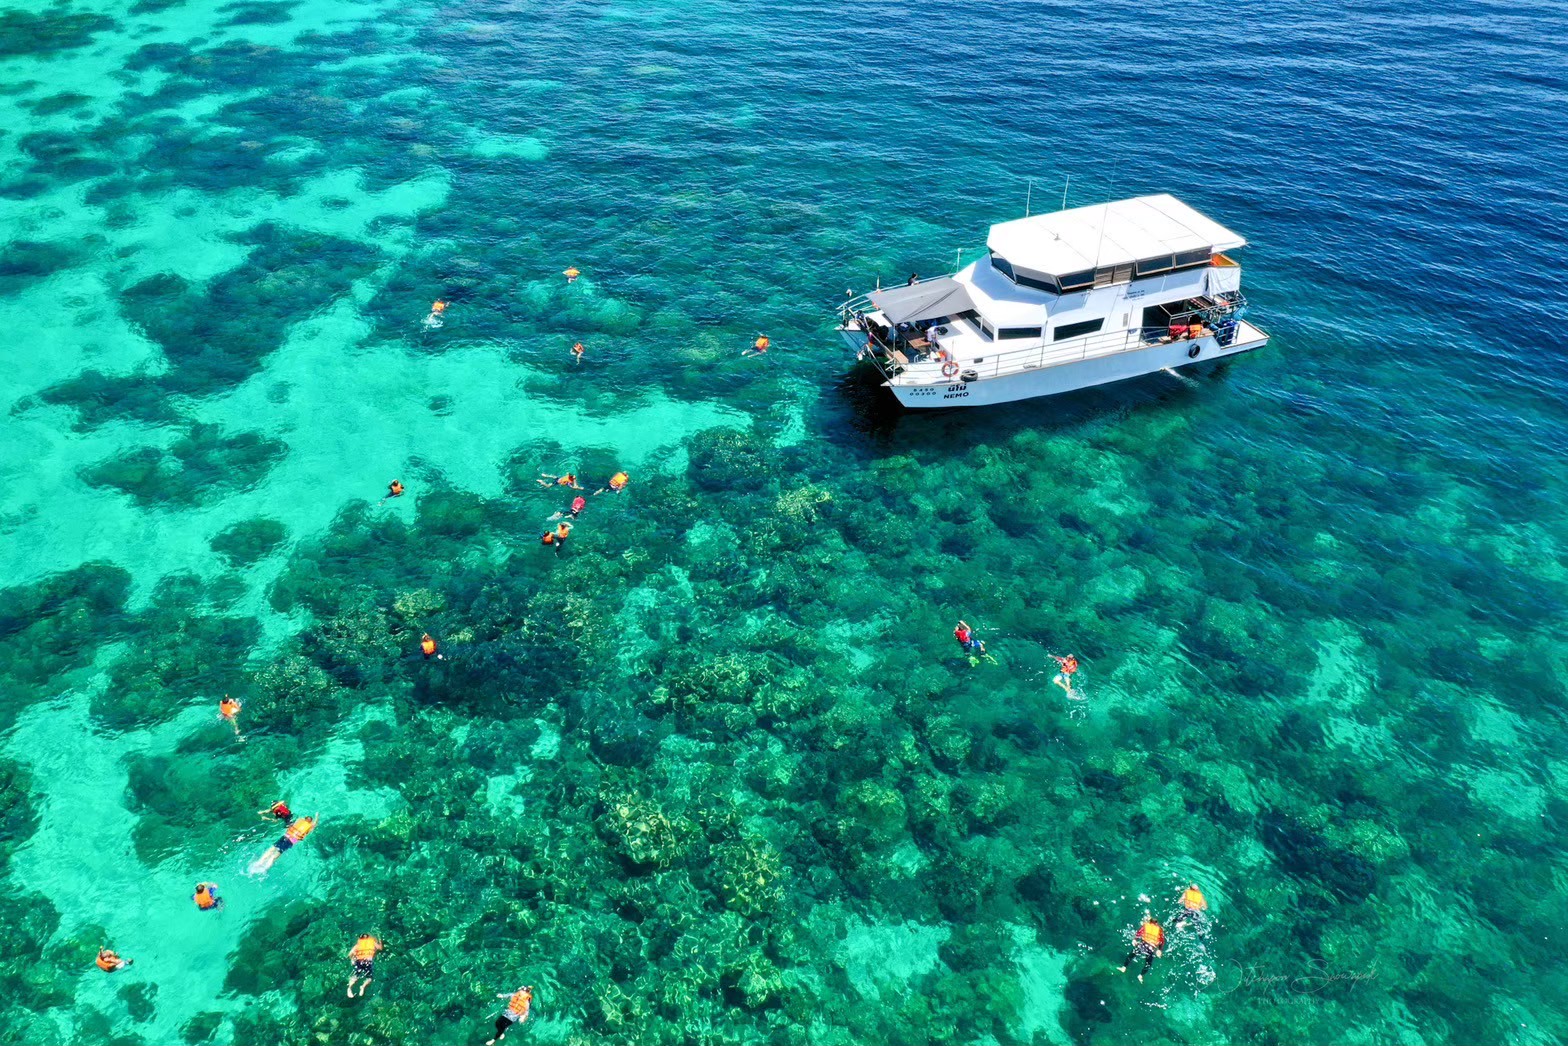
column 1119, row 233
column 923, row 301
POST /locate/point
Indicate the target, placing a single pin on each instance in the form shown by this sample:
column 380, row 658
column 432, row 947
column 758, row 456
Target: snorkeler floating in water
column 1064, row 678
column 229, row 709
column 558, row 536
column 758, row 347
column 434, row 320
column 1149, row 942
column 966, row 639
column 295, row 832
column 206, row 897
column 571, row 274
column 394, row 490
column 577, row 351
column 108, row 961
column 279, row 810
column 517, row 1004
column 569, row 480
column 428, row 646
column 617, row 484
column 1193, row 905
column 362, row 961
column 578, row 504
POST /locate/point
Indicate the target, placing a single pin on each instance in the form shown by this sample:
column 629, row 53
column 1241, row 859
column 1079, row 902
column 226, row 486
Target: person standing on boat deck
column 914, row 278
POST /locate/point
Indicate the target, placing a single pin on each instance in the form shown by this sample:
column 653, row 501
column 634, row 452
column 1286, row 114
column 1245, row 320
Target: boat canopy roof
column 923, row 301
column 1146, row 229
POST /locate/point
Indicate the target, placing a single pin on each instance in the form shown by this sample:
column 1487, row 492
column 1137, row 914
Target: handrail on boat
column 1226, row 306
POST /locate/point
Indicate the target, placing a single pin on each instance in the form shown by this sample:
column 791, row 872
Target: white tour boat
column 1060, row 302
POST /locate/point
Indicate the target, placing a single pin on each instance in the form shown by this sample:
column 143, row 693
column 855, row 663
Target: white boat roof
column 1105, row 234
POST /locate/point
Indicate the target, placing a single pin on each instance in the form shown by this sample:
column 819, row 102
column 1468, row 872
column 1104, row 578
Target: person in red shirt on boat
column 1148, row 942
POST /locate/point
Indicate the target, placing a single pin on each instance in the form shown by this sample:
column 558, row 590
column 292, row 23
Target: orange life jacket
column 1151, row 933
column 229, row 707
column 428, row 645
column 1193, row 900
column 519, row 1003
column 618, row 480
column 301, row 828
column 108, row 962
column 365, row 948
column 204, row 898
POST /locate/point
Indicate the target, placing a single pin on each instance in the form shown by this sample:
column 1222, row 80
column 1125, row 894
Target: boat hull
column 1069, row 377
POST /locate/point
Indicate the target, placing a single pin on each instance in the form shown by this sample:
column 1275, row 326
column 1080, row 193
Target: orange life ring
column 949, row 369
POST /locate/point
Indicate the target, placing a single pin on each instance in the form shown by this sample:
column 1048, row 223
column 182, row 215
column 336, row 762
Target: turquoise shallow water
column 713, row 773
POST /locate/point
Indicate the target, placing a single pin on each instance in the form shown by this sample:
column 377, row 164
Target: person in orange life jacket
column 966, row 639
column 1148, row 942
column 206, row 897
column 1064, row 678
column 428, row 647
column 516, row 1012
column 617, row 484
column 577, row 351
column 758, row 347
column 361, row 961
column 279, row 810
column 558, row 536
column 108, row 961
column 1193, row 905
column 229, row 709
column 568, row 480
column 394, row 490
column 295, row 832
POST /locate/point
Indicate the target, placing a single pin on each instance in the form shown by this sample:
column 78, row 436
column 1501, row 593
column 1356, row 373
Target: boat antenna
column 1029, row 197
column 958, row 262
column 1065, row 183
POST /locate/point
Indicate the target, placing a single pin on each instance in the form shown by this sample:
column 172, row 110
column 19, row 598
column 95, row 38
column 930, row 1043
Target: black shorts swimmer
column 283, row 844
column 362, row 967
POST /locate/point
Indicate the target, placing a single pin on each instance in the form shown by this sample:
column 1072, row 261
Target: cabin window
column 1038, row 283
column 986, row 330
column 1189, row 258
column 1077, row 330
column 1003, row 266
column 1077, row 280
column 1017, row 333
column 1152, row 265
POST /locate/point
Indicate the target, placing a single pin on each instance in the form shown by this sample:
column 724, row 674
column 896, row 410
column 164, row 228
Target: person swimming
column 967, row 640
column 429, row 647
column 394, row 490
column 759, row 346
column 434, row 320
column 1149, row 942
column 206, row 897
column 571, row 273
column 558, row 536
column 569, row 480
column 1064, row 678
column 362, row 962
column 578, row 504
column 577, row 351
column 279, row 810
column 229, row 709
column 1193, row 905
column 516, row 1012
column 108, row 961
column 294, row 833
column 617, row 484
